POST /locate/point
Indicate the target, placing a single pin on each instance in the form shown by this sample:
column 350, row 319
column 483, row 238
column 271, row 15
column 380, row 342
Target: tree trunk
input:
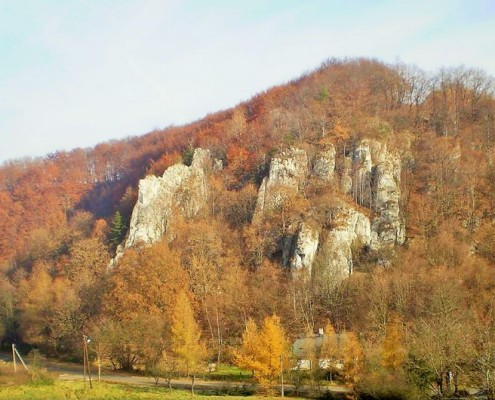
column 456, row 383
column 219, row 339
column 440, row 385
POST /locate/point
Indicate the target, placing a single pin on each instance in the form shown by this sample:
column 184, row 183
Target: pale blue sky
column 75, row 73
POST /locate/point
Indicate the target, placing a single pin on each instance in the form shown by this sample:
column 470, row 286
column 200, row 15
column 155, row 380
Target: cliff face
column 388, row 223
column 364, row 213
column 376, row 184
column 181, row 190
column 370, row 178
column 288, row 171
column 349, row 229
column 324, row 164
column 299, row 251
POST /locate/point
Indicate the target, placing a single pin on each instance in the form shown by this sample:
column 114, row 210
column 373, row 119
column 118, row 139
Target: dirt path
column 72, row 372
column 67, row 371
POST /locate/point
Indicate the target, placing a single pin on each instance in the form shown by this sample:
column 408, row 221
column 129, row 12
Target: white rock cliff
column 324, row 164
column 370, row 175
column 300, row 251
column 349, row 228
column 181, row 189
column 288, row 171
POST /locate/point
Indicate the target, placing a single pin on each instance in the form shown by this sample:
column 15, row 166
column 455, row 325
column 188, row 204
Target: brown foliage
column 145, row 281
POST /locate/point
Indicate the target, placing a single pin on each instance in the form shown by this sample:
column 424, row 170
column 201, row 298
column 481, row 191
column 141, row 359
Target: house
column 319, row 348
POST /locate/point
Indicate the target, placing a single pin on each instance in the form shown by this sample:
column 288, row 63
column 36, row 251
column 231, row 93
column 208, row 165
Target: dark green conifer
column 117, row 229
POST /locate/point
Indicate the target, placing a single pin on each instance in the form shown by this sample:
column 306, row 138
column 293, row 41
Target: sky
column 75, row 73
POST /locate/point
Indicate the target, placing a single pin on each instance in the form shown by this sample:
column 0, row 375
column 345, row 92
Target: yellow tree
column 186, row 338
column 329, row 347
column 246, row 356
column 43, row 300
column 394, row 352
column 274, row 347
column 262, row 351
column 345, row 350
column 330, row 352
column 352, row 356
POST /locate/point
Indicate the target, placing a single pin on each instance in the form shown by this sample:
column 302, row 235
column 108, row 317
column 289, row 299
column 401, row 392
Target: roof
column 309, row 346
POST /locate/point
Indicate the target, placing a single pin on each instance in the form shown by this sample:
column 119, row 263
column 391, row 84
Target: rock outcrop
column 300, row 251
column 370, row 174
column 181, row 189
column 346, row 176
column 387, row 223
column 349, row 228
column 288, row 171
column 375, row 176
column 324, row 164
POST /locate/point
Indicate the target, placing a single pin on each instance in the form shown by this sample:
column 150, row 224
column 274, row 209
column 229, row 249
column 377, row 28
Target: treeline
column 62, row 216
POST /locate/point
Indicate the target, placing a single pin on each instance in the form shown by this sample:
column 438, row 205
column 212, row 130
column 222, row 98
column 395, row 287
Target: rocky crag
column 370, row 177
column 365, row 214
column 182, row 190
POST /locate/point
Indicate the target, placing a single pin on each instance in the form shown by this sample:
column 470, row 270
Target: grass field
column 40, row 385
column 65, row 390
column 229, row 373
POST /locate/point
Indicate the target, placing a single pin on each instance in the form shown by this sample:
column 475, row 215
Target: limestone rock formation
column 300, row 251
column 361, row 173
column 181, row 189
column 387, row 223
column 346, row 177
column 376, row 184
column 324, row 164
column 288, row 170
column 370, row 174
column 349, row 228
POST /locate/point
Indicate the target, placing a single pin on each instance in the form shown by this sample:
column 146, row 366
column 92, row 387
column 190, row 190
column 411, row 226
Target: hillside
column 360, row 195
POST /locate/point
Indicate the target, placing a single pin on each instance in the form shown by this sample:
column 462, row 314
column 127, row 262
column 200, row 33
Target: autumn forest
column 416, row 317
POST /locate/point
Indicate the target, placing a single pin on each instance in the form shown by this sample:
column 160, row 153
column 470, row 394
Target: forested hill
column 422, row 217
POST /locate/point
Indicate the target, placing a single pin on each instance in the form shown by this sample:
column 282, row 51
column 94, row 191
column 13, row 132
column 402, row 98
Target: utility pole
column 13, row 358
column 282, row 374
column 86, row 340
column 84, row 359
column 14, row 353
column 99, row 359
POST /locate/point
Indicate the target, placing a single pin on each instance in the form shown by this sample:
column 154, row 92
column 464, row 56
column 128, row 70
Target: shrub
column 387, row 387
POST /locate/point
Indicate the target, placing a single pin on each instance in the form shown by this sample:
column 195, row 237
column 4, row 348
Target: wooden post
column 99, row 361
column 84, row 359
column 282, row 374
column 89, row 369
column 13, row 358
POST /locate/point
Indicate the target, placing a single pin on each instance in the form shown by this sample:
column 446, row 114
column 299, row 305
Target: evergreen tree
column 117, row 229
column 188, row 154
